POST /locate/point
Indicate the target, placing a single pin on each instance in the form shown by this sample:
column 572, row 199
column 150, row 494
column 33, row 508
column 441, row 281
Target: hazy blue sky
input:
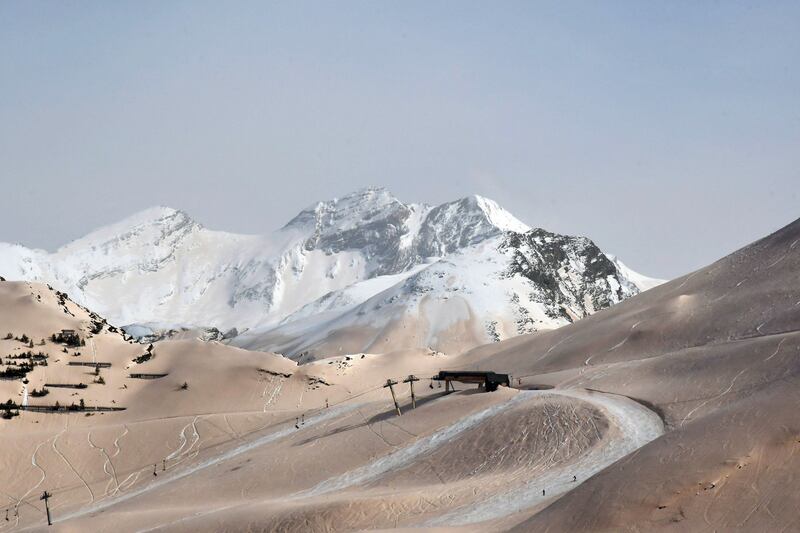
column 670, row 133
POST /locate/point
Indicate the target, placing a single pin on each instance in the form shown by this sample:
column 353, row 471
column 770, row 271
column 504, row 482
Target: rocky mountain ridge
column 366, row 260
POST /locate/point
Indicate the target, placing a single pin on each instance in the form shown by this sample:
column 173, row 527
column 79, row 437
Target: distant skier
column 574, row 478
column 543, row 492
column 154, row 470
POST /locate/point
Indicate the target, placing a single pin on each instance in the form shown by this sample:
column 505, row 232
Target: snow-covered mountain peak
column 455, row 225
column 366, row 197
column 373, row 206
column 151, row 225
column 342, row 214
column 156, row 215
column 465, row 258
column 392, row 235
column 498, row 216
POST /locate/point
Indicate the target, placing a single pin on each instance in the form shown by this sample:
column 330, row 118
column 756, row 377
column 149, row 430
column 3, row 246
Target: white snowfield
column 641, row 282
column 365, row 259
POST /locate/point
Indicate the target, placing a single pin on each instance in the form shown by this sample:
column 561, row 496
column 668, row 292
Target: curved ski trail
column 36, row 486
column 106, row 464
column 636, row 426
column 189, row 453
column 406, row 455
column 58, row 452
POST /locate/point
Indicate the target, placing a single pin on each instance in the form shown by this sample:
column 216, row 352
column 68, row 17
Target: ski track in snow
column 234, row 433
column 727, row 293
column 165, row 479
column 636, row 425
column 623, row 341
column 116, row 442
column 781, row 258
column 777, row 349
column 553, row 347
column 302, row 393
column 36, row 486
column 112, row 487
column 105, row 461
column 618, row 345
column 131, row 480
column 275, row 392
column 199, row 514
column 181, row 455
column 733, row 382
column 720, row 395
column 690, row 276
column 404, row 456
column 55, row 449
column 181, row 442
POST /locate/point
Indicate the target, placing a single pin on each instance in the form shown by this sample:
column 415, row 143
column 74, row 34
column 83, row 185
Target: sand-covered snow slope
column 717, row 354
column 455, row 459
column 674, row 410
column 223, row 438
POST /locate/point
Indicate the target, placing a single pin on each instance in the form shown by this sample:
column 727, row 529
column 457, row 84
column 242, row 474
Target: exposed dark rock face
column 160, row 272
column 572, row 276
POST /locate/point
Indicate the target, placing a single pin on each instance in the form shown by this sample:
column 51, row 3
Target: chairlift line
column 68, row 488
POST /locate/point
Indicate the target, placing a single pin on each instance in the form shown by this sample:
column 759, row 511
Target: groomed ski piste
column 408, row 454
column 636, row 426
column 631, row 425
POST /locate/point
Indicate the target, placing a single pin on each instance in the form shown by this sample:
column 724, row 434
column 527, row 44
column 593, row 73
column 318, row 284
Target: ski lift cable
column 68, row 488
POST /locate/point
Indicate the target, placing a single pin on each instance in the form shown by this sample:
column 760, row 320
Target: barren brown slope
column 717, row 353
column 252, row 443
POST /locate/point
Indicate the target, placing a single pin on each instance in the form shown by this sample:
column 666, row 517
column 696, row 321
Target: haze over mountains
column 239, row 339
column 447, row 277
